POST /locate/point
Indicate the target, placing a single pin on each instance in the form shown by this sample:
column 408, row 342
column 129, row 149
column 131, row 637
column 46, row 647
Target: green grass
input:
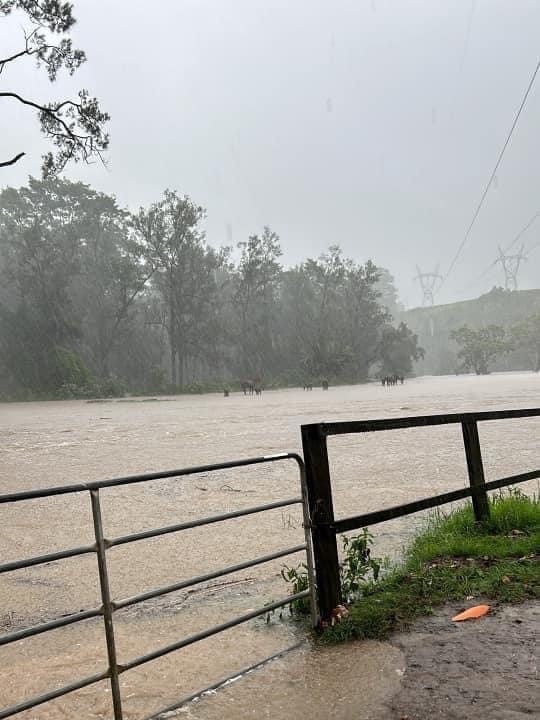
column 454, row 558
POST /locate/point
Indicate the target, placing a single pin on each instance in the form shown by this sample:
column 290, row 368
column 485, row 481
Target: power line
column 533, row 247
column 492, row 176
column 509, row 247
column 523, row 231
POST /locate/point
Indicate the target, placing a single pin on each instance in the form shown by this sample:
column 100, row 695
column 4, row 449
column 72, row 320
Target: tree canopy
column 94, row 299
column 398, row 348
column 75, row 127
column 526, row 337
column 480, row 348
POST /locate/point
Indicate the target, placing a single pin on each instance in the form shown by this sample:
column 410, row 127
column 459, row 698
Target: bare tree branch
column 4, row 61
column 84, row 115
column 51, row 111
column 12, row 161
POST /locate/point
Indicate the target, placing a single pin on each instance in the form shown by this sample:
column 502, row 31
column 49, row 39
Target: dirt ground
column 485, row 668
column 438, row 670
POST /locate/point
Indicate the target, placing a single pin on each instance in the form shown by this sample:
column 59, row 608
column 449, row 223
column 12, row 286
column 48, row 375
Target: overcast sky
column 374, row 124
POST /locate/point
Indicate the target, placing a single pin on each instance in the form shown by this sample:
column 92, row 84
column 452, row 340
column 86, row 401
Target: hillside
column 434, row 324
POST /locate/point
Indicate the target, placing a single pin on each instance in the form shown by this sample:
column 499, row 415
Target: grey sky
column 373, row 124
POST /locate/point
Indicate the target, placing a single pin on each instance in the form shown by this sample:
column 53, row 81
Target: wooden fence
column 324, row 527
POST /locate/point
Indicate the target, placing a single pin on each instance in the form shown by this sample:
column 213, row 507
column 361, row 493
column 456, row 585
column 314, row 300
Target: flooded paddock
column 56, row 443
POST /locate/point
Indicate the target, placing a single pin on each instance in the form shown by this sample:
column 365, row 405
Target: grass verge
column 454, row 558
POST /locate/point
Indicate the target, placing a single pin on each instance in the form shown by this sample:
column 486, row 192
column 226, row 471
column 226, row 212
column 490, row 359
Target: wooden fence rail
column 324, row 527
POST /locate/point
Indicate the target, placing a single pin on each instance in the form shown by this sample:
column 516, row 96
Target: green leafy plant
column 358, row 567
column 299, row 578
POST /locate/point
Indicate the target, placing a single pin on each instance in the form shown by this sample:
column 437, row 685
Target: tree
column 256, row 283
column 313, row 317
column 479, row 348
column 184, row 278
column 297, row 324
column 332, row 316
column 72, row 270
column 114, row 272
column 366, row 316
column 40, row 253
column 388, row 296
column 398, row 347
column 74, row 127
column 526, row 337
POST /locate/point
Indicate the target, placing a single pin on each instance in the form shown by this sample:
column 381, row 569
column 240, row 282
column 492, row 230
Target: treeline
column 95, row 300
column 481, row 348
column 497, row 331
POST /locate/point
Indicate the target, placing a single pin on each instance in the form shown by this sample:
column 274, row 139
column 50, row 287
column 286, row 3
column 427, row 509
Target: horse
column 325, row 384
column 391, row 380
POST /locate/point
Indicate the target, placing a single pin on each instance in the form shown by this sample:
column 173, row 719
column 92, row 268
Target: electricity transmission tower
column 510, row 264
column 428, row 283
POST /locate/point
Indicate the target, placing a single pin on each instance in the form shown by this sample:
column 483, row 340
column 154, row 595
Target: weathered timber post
column 475, row 468
column 321, row 511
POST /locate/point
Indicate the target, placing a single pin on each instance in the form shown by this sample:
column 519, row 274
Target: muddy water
column 45, row 444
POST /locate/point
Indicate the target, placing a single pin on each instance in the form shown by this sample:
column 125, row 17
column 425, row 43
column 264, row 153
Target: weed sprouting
column 358, row 567
column 299, row 577
column 356, row 570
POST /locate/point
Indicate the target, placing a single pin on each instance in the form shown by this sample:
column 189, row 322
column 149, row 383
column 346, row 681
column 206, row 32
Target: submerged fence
column 109, row 605
column 325, row 527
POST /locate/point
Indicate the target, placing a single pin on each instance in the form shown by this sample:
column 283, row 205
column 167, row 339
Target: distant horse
column 252, row 387
column 308, row 386
column 325, row 384
column 391, row 380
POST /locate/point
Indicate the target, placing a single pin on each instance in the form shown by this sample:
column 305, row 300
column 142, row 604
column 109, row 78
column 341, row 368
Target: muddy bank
column 439, row 670
column 486, row 668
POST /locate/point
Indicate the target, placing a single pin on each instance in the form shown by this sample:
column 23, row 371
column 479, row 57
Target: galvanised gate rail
column 319, row 487
column 109, row 606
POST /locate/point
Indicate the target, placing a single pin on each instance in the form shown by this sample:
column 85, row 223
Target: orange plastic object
column 472, row 613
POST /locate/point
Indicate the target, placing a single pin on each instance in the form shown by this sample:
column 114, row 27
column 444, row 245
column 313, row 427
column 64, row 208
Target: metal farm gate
column 110, row 605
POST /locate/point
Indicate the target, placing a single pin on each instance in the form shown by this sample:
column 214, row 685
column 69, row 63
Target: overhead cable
column 492, row 176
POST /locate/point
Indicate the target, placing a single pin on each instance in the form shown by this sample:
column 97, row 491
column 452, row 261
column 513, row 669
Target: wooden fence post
column 476, row 469
column 321, row 509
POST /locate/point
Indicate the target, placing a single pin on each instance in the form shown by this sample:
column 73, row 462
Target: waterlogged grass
column 455, row 558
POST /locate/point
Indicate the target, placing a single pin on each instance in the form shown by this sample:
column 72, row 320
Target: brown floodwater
column 55, row 443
